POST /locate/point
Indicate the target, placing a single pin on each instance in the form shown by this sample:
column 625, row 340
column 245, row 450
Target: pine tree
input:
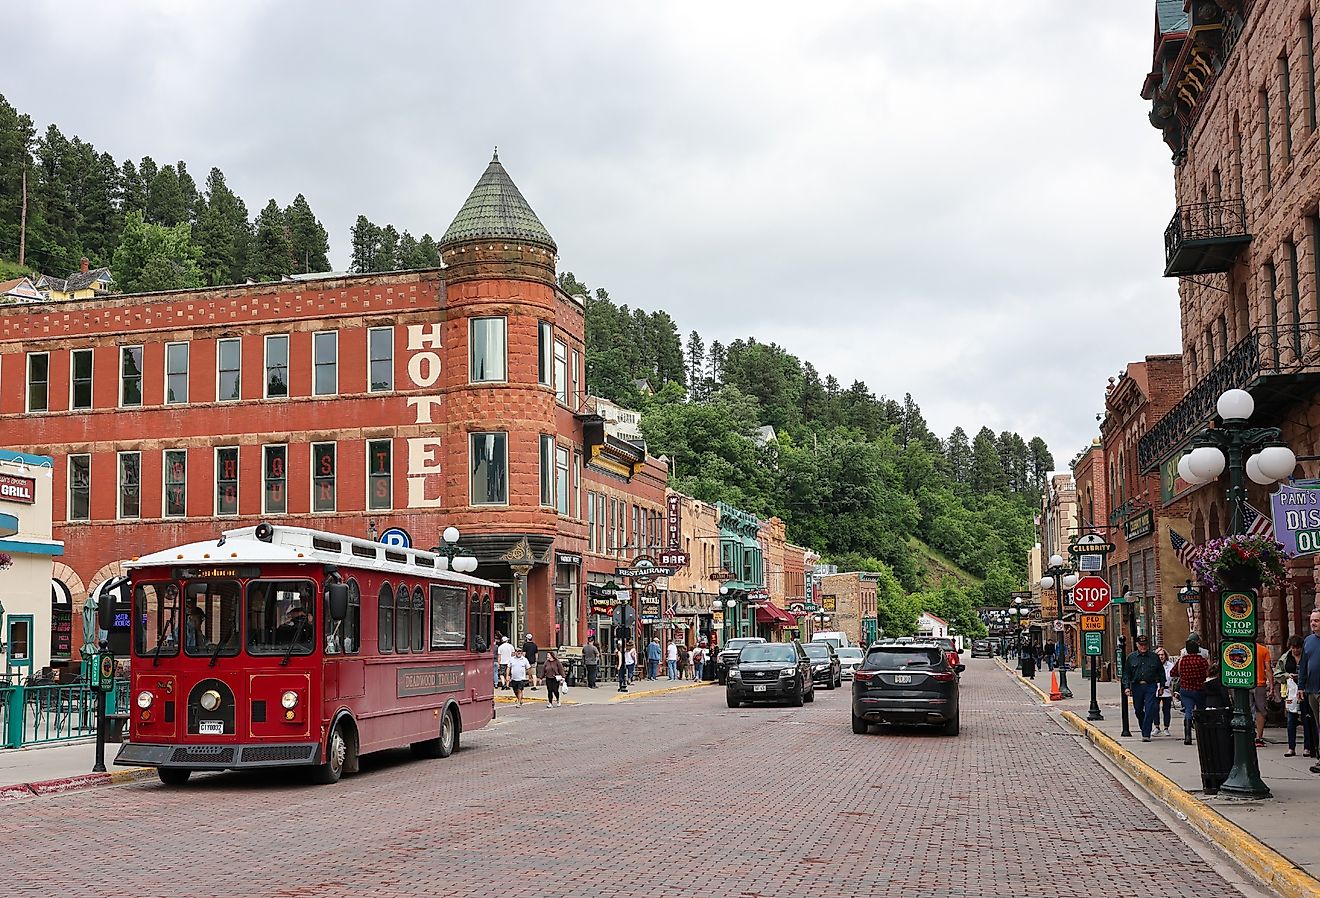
column 223, row 233
column 959, row 455
column 715, row 364
column 188, row 190
column 166, row 204
column 309, row 241
column 387, row 250
column 365, row 238
column 428, row 253
column 272, row 251
column 696, row 362
column 132, row 192
column 17, row 136
column 987, row 472
column 1042, row 463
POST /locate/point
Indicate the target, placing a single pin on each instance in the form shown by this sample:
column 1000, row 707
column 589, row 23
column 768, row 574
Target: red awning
column 770, row 614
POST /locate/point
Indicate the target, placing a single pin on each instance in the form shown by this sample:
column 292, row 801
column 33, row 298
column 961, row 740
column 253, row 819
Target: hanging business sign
column 18, row 489
column 643, row 570
column 1295, row 509
column 1139, row 525
column 674, row 520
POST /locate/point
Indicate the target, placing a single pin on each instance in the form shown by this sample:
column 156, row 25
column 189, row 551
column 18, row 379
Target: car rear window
column 847, row 654
column 899, row 657
column 818, row 651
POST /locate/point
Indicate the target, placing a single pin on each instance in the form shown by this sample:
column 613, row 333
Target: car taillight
column 864, row 676
column 945, row 677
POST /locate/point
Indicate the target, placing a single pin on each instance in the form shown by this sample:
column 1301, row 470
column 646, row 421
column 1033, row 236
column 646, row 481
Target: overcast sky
column 962, row 200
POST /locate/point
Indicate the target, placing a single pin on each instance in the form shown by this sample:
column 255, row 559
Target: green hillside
column 938, row 567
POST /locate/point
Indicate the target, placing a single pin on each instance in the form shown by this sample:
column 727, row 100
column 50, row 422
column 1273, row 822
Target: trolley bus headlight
column 144, row 700
column 210, row 700
column 289, row 699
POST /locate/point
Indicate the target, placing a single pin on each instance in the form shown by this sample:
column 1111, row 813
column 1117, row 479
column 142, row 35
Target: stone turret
column 497, row 235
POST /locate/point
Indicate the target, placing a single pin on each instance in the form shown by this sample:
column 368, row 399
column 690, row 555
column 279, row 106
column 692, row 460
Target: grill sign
column 18, row 489
column 433, row 680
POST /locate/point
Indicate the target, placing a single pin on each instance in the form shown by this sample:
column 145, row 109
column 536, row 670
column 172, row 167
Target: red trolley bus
column 281, row 646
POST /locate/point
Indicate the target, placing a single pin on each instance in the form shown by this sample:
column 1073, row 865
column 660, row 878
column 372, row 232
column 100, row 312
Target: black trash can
column 1214, row 746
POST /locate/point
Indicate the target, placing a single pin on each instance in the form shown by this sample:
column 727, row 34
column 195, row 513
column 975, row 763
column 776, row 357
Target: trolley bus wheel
column 336, row 751
column 173, row 776
column 442, row 746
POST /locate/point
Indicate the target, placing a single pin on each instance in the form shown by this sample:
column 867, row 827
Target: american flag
column 1257, row 524
column 1182, row 547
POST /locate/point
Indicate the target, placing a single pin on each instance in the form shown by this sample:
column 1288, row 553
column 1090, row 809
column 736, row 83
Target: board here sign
column 1091, row 595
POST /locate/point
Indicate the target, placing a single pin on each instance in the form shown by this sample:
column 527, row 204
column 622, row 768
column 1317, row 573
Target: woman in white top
column 1164, row 695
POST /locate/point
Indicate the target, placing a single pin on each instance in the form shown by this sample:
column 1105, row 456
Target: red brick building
column 356, row 403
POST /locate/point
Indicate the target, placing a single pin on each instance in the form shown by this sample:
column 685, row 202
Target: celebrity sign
column 1295, row 509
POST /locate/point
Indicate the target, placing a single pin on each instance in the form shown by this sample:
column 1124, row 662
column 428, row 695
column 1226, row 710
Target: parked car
column 771, row 671
column 950, row 648
column 825, row 666
column 728, row 656
column 983, row 648
column 850, row 658
column 906, row 683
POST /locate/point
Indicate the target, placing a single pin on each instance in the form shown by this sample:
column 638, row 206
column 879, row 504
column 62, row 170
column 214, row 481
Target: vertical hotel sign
column 674, row 520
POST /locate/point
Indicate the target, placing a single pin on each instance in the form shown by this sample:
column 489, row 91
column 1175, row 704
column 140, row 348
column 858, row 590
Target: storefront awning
column 770, row 614
column 8, row 524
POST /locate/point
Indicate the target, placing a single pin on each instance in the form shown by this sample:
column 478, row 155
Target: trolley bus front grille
column 258, row 754
column 203, row 754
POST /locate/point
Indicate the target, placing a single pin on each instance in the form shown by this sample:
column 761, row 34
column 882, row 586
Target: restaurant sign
column 673, row 521
column 1139, row 524
column 18, row 489
column 1295, row 508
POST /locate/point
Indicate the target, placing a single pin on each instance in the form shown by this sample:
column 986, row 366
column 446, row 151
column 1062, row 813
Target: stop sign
column 1091, row 595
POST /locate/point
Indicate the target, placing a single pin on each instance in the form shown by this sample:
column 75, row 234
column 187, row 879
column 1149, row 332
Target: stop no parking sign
column 1091, row 595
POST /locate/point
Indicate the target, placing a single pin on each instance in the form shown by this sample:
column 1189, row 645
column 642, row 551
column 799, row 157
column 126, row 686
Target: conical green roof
column 496, row 209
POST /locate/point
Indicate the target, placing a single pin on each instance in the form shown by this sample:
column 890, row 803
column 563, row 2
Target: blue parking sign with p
column 396, row 537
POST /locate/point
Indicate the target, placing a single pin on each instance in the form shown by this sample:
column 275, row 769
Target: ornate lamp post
column 453, row 557
column 1258, row 453
column 1059, row 577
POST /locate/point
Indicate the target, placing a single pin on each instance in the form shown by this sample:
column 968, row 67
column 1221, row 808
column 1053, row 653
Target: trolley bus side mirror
column 337, row 600
column 105, row 611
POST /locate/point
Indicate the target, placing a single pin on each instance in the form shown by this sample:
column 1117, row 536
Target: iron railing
column 1204, row 221
column 1265, row 351
column 35, row 714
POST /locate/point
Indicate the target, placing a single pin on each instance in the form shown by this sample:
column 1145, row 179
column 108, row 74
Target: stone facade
column 853, row 596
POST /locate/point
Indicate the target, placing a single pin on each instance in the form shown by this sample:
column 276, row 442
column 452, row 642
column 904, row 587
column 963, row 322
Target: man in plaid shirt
column 1191, row 670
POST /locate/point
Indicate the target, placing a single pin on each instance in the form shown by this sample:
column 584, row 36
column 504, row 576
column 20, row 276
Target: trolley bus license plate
column 211, row 727
column 758, row 689
column 902, row 678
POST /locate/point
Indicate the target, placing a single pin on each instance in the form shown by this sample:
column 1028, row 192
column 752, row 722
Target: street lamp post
column 1258, row 453
column 1059, row 577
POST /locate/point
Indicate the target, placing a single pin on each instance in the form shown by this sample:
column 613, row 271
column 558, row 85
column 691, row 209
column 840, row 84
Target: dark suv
column 906, row 683
column 826, row 668
column 728, row 656
column 982, row 648
column 771, row 671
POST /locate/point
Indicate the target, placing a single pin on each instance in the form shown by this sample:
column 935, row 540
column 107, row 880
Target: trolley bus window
column 385, row 620
column 341, row 637
column 281, row 617
column 448, row 620
column 156, row 619
column 419, row 620
column 402, row 617
column 480, row 621
column 210, row 618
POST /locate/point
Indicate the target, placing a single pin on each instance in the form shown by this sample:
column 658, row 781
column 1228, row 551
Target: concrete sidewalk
column 1283, row 823
column 61, row 767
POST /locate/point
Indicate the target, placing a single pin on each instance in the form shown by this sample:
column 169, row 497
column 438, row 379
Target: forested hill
column 857, row 476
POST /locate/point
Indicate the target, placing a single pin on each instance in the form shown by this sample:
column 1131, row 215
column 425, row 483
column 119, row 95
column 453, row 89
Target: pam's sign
column 433, row 680
column 18, row 489
column 1295, row 509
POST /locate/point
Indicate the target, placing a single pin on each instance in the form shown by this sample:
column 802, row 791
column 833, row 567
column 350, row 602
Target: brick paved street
column 666, row 797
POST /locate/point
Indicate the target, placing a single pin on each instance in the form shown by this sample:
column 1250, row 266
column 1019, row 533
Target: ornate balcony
column 1278, row 364
column 1203, row 238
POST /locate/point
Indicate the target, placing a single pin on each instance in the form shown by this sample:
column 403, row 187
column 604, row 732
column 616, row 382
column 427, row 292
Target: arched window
column 353, row 622
column 418, row 620
column 401, row 620
column 385, row 620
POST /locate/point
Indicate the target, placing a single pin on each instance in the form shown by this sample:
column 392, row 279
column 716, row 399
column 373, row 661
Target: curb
column 1040, row 693
column 1264, row 863
column 66, row 784
column 666, row 691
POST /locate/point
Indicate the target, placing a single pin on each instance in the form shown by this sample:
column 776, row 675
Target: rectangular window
column 1295, row 294
column 1266, row 150
column 275, row 479
column 176, row 373
column 380, row 477
column 486, row 350
column 547, row 470
column 577, row 486
column 277, row 366
column 380, row 352
column 636, row 527
column 80, row 379
column 1285, row 106
column 1272, row 298
column 80, row 488
column 576, row 396
column 323, row 476
column 448, row 617
column 130, row 375
column 611, row 540
column 385, row 620
column 226, row 480
column 561, row 373
column 1308, row 48
column 591, row 522
column 38, row 381
column 489, row 457
column 544, row 337
column 561, row 480
column 176, row 483
column 325, row 363
column 228, row 362
column 130, row 485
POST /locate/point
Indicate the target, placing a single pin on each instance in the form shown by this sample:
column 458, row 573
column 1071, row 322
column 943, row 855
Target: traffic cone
column 1055, row 694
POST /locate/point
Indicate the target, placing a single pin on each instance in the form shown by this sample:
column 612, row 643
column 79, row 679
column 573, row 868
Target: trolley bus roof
column 299, row 545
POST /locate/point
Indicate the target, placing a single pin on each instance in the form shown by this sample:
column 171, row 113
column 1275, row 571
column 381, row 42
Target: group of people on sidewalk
column 515, row 668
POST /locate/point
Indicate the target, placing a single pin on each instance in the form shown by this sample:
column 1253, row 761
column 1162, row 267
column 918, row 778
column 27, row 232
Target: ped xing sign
column 1093, row 644
column 1237, row 669
column 1237, row 618
column 1093, row 623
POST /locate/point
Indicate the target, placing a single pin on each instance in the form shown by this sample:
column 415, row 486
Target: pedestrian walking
column 699, row 661
column 503, row 656
column 591, row 661
column 683, row 656
column 1264, row 691
column 1285, row 675
column 1190, row 669
column 518, row 667
column 671, row 656
column 1308, row 674
column 553, row 672
column 530, row 650
column 495, row 654
column 630, row 660
column 1027, row 662
column 619, row 660
column 1164, row 697
column 1049, row 656
column 1143, row 673
column 653, row 659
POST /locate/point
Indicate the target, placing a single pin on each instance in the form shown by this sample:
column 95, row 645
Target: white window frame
column 545, row 366
column 577, row 485
column 504, row 326
column 218, row 370
column 119, row 485
column 561, row 376
column 265, row 365
column 563, row 505
column 68, row 486
column 545, row 455
column 187, row 363
column 215, row 482
column 334, row 335
column 508, row 487
column 165, row 483
column 142, row 376
column 27, row 381
column 370, row 387
column 390, row 474
column 312, row 479
column 265, row 509
column 73, row 379
column 575, row 400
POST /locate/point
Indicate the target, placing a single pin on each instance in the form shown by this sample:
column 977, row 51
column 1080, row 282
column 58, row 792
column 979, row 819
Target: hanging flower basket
column 5, row 560
column 1240, row 562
